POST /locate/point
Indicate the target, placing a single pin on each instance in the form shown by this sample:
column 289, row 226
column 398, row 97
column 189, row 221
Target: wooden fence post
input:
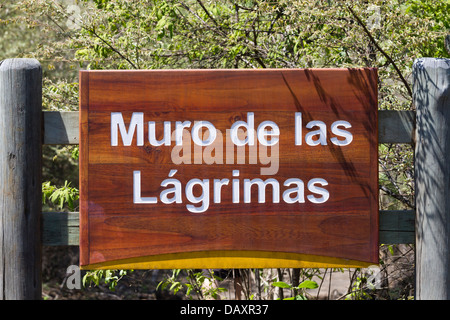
column 20, row 179
column 431, row 85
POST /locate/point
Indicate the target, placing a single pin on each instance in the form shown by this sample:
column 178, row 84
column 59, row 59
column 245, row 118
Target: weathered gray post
column 20, row 179
column 431, row 87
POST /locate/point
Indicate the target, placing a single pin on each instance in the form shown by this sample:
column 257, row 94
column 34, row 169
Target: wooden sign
column 228, row 168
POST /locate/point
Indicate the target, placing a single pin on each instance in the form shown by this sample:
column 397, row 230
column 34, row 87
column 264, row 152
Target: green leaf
column 308, row 284
column 281, row 284
column 174, row 285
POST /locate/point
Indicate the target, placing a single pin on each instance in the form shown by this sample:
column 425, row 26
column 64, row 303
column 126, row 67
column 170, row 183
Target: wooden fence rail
column 62, row 228
column 61, row 127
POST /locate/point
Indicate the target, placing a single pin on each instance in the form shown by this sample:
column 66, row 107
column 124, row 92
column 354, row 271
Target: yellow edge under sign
column 228, row 260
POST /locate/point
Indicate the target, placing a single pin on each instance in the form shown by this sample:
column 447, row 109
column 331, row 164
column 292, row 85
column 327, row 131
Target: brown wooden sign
column 228, row 168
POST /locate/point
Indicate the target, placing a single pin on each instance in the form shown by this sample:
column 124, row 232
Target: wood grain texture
column 83, row 163
column 431, row 84
column 20, row 179
column 114, row 228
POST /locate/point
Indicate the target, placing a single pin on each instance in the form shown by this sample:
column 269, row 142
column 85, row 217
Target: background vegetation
column 66, row 36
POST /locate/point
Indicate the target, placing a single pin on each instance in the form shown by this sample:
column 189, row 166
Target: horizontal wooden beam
column 396, row 126
column 62, row 228
column 61, row 127
column 397, row 227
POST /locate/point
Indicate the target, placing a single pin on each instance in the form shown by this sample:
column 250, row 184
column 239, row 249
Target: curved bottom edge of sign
column 229, row 260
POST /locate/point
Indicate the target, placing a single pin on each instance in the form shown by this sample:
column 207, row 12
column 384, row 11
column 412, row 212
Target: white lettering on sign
column 312, row 138
column 242, row 133
column 137, row 121
column 174, row 188
column 321, row 133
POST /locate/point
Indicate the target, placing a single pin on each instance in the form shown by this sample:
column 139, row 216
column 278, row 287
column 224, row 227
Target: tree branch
column 372, row 39
column 207, row 13
column 110, row 46
column 95, row 34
